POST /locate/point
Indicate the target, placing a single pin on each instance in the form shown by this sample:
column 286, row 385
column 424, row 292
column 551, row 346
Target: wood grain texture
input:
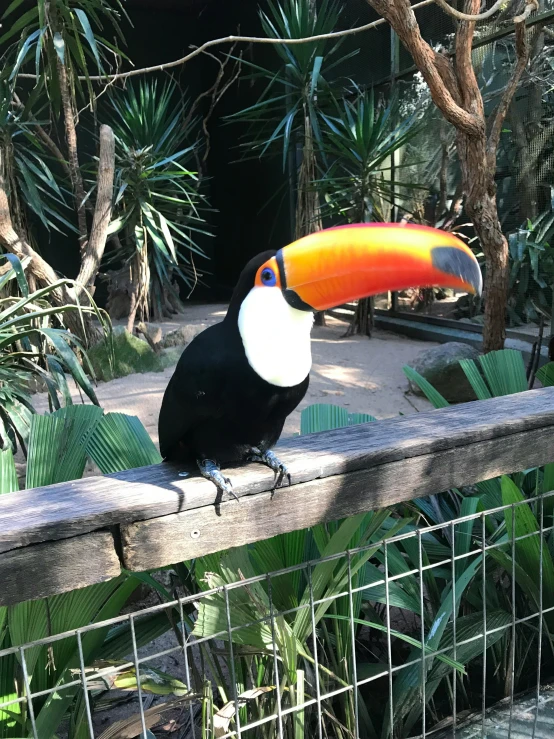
column 70, row 509
column 57, row 567
column 163, row 541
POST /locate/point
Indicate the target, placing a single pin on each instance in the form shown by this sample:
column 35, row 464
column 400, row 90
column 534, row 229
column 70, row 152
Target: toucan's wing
column 194, row 392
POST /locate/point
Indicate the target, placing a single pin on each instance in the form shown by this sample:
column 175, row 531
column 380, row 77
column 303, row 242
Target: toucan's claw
column 211, row 471
column 273, row 462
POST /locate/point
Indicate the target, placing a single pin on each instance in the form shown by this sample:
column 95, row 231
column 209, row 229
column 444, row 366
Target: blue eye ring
column 268, row 277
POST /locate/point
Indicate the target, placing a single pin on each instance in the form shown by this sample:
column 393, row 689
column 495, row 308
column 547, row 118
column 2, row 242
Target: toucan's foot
column 273, row 462
column 211, row 471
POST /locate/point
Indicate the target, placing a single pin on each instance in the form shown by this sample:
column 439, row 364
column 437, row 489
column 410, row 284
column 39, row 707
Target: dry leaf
column 222, row 718
column 130, row 728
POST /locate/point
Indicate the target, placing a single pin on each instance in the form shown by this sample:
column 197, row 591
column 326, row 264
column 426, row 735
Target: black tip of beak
column 456, row 262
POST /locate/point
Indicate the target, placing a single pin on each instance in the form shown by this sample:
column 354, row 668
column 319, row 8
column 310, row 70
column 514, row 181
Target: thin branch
column 443, row 173
column 234, row 40
column 436, row 70
column 522, row 52
column 470, row 92
column 467, row 16
column 217, row 91
column 531, row 6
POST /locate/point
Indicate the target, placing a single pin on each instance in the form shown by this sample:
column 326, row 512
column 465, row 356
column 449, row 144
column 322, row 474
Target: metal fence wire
column 359, row 662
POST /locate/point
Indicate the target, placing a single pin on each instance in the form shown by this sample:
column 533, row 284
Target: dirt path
column 364, row 375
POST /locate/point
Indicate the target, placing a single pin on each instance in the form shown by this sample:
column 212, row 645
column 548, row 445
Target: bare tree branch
column 470, row 93
column 401, row 17
column 216, row 92
column 529, row 8
column 73, row 156
column 470, row 17
column 234, row 40
column 522, row 51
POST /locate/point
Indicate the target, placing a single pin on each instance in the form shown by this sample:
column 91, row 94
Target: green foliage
column 323, row 417
column 130, row 355
column 61, row 32
column 545, row 374
column 34, row 345
column 359, row 139
column 531, row 275
column 33, row 187
column 498, row 373
column 104, row 445
column 159, row 202
column 304, row 84
column 59, row 445
column 432, row 395
column 8, row 474
column 293, row 631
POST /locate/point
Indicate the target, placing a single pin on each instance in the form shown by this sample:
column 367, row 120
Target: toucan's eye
column 268, row 277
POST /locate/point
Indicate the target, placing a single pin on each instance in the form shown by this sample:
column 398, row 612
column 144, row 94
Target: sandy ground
column 361, row 374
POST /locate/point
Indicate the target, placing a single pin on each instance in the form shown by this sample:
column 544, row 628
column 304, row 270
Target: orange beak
column 337, row 265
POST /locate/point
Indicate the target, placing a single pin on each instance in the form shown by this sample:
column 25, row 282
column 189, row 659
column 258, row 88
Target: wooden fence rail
column 65, row 536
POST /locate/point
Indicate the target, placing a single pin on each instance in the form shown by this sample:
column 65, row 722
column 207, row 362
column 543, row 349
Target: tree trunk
column 363, row 321
column 483, row 214
column 94, row 249
column 455, row 91
column 308, row 216
column 73, row 156
column 480, row 204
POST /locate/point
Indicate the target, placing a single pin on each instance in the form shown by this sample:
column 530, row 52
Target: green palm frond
column 360, row 139
column 159, row 204
column 67, row 32
column 35, row 348
column 34, row 188
column 302, row 86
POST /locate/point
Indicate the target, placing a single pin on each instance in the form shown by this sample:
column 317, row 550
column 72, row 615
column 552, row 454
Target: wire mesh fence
column 435, row 631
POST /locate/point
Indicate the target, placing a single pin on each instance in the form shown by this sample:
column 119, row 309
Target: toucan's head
column 336, row 265
column 278, row 292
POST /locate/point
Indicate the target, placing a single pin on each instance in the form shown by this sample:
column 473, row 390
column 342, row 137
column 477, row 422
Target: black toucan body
column 237, row 381
column 216, row 408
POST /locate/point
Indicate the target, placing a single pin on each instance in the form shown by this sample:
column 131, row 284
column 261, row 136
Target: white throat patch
column 276, row 337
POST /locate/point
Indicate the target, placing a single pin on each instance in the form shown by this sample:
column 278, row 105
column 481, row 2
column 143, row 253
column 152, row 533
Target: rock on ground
column 440, row 365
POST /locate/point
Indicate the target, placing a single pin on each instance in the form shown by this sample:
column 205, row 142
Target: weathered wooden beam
column 181, row 536
column 55, row 567
column 71, row 509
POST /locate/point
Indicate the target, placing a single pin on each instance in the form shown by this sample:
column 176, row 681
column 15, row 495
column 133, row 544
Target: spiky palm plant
column 34, row 345
column 59, row 445
column 287, row 117
column 159, row 203
column 360, row 139
column 33, row 187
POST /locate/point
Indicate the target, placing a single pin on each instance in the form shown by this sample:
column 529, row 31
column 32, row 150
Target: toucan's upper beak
column 336, row 265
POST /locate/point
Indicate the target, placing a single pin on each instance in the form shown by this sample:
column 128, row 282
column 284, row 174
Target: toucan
column 238, row 380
